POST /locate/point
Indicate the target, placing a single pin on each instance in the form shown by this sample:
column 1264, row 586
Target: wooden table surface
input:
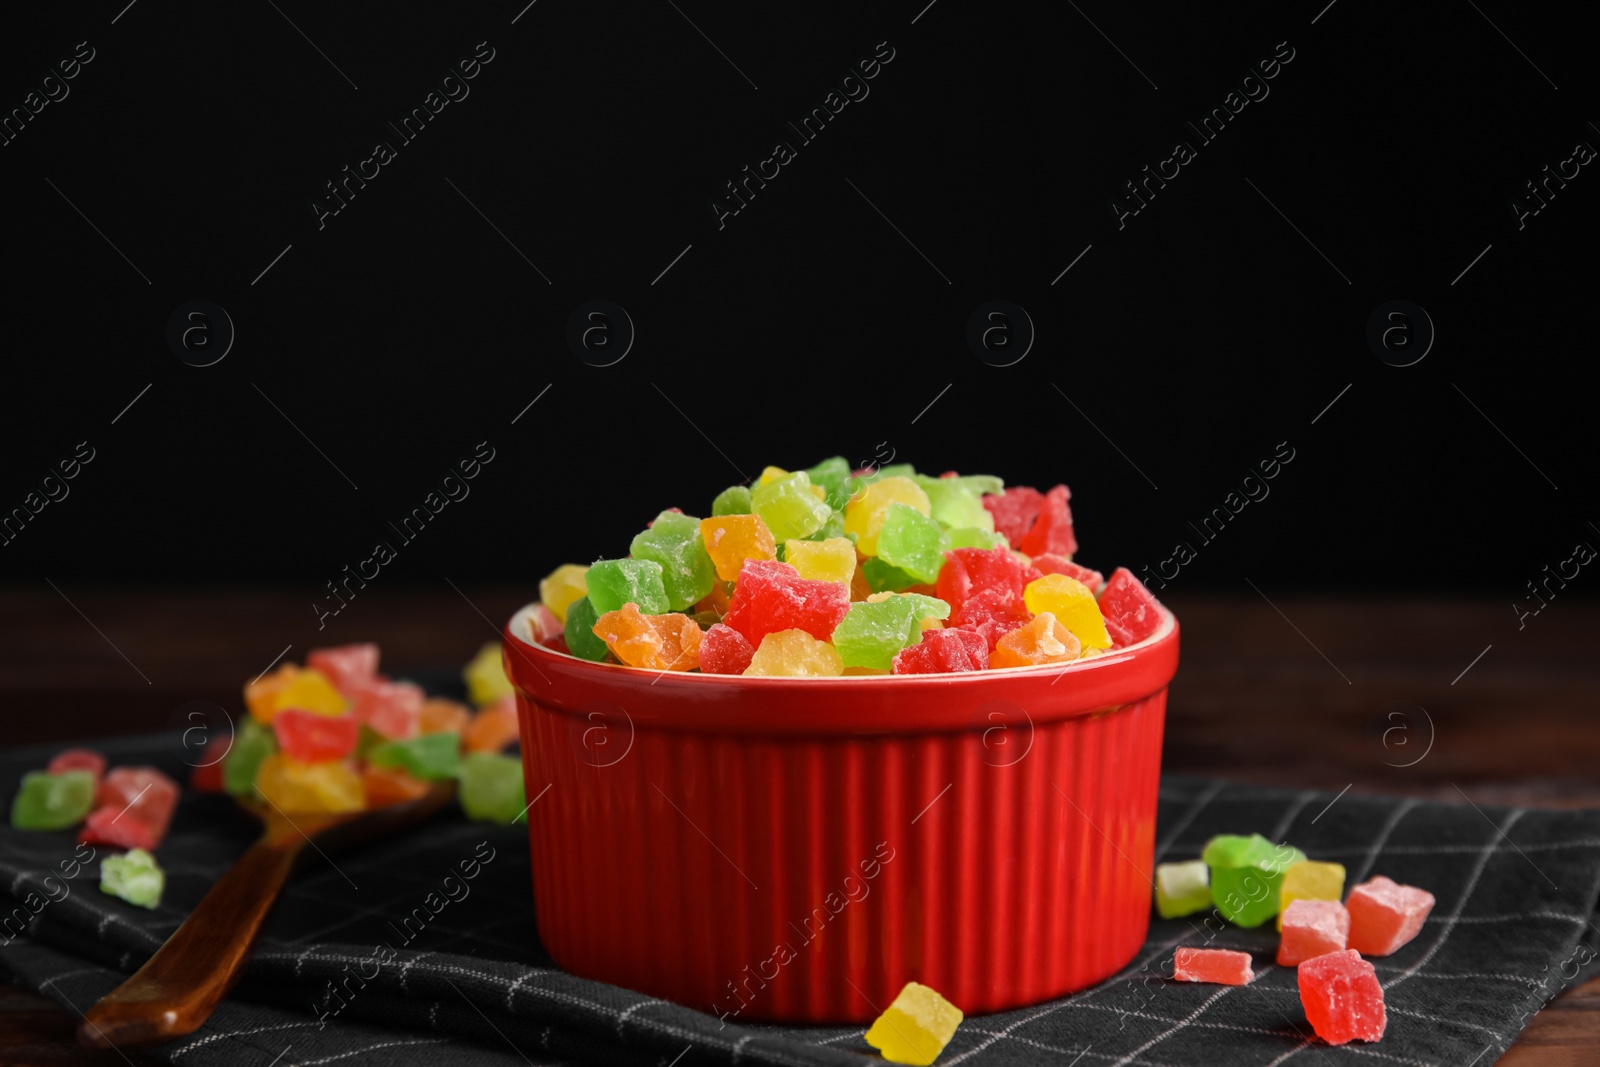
column 1315, row 692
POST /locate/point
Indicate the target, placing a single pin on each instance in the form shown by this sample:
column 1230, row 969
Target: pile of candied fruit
column 831, row 571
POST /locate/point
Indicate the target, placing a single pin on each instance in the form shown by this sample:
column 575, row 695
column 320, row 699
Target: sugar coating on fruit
column 1051, row 531
column 673, row 541
column 1310, row 880
column 1216, row 965
column 666, row 642
column 615, row 582
column 1312, row 928
column 794, row 654
column 730, row 540
column 1182, row 888
column 1131, row 611
column 134, row 877
column 561, row 587
column 945, row 651
column 789, row 507
column 915, row 1027
column 912, row 542
column 724, row 650
column 1384, row 915
column 771, row 596
column 1342, row 997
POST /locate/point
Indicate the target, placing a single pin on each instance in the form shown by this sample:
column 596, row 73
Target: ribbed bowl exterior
column 799, row 849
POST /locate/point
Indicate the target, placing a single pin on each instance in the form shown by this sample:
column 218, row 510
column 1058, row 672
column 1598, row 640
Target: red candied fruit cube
column 968, row 571
column 393, row 709
column 111, row 826
column 312, row 738
column 1050, row 563
column 137, row 795
column 991, row 614
column 1217, row 965
column 1342, row 998
column 724, row 650
column 943, row 651
column 1385, row 915
column 1312, row 928
column 1131, row 612
column 1051, row 531
column 78, row 759
column 206, row 778
column 1014, row 511
column 771, row 596
column 346, row 666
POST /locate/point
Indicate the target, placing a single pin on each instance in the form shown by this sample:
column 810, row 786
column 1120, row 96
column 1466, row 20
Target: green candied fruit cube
column 615, row 582
column 581, row 640
column 885, row 578
column 789, row 507
column 1182, row 888
column 674, row 541
column 134, row 876
column 958, row 502
column 834, row 527
column 427, row 756
column 912, row 542
column 833, row 474
column 872, row 633
column 734, row 500
column 252, row 743
column 926, row 607
column 972, row 537
column 491, row 788
column 52, row 801
column 1246, row 876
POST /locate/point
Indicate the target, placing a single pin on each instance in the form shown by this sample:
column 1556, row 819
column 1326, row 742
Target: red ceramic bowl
column 798, row 849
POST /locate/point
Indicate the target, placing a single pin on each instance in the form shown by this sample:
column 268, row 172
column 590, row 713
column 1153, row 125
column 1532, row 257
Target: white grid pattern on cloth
column 1484, row 855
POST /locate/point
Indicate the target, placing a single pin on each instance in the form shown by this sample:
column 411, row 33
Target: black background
column 407, row 329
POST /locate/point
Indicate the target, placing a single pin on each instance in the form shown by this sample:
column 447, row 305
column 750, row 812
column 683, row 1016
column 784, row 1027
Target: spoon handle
column 178, row 987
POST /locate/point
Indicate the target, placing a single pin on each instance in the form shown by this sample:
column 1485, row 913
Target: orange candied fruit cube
column 493, row 728
column 732, row 539
column 442, row 716
column 1042, row 640
column 669, row 642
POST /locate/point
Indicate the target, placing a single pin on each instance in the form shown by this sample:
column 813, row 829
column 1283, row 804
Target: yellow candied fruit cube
column 795, row 654
column 305, row 788
column 732, row 539
column 261, row 695
column 864, row 515
column 563, row 587
column 916, row 1027
column 832, row 560
column 293, row 687
column 1310, row 880
column 486, row 676
column 1071, row 602
column 771, row 474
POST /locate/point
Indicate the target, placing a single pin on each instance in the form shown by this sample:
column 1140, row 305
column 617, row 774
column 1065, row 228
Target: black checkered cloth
column 1515, row 924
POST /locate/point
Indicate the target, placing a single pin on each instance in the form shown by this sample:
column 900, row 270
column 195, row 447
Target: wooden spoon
column 180, row 986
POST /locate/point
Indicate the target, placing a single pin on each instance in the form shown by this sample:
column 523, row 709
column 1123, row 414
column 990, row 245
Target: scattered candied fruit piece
column 1218, row 965
column 1342, row 997
column 915, row 1027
